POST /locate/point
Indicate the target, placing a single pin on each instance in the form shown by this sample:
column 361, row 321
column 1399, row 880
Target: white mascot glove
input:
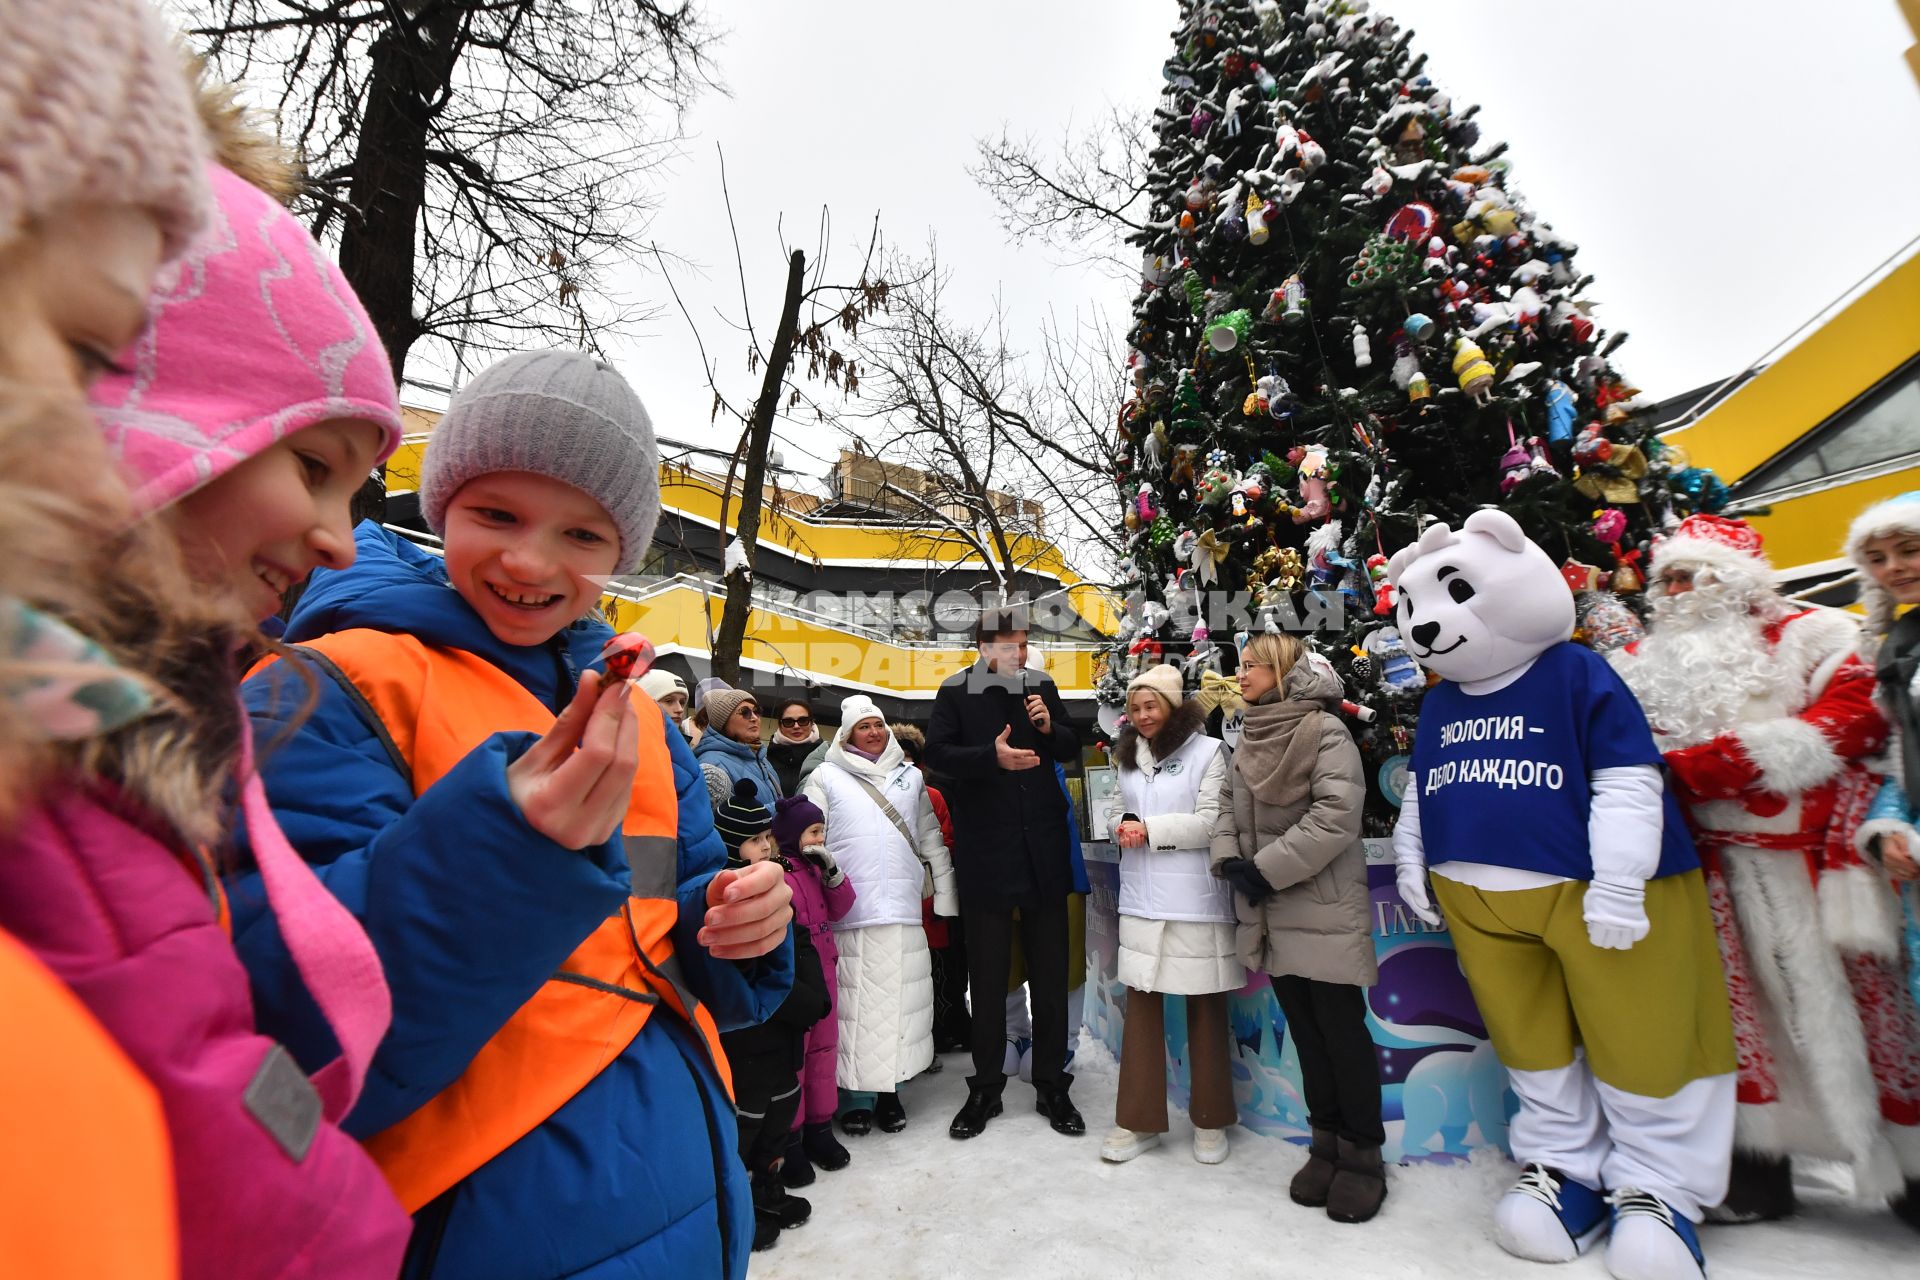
column 1412, row 880
column 1616, row 912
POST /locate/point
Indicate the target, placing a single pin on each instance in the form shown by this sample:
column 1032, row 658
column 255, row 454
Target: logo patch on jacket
column 285, row 1103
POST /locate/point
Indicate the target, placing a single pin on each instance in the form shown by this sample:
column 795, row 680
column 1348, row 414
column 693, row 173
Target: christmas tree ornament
column 1382, row 589
column 1162, row 532
column 1417, row 327
column 1214, row 487
column 1362, row 348
column 1561, row 408
column 1256, row 215
column 1203, row 657
column 1592, row 449
column 1617, row 480
column 1311, row 465
column 1229, row 331
column 1515, row 466
column 1399, row 673
column 1472, row 371
column 1538, row 464
column 1609, row 525
column 1156, row 268
column 1201, row 121
column 1361, row 664
column 1607, row 621
column 1196, row 291
column 1412, row 223
column 1410, row 141
column 1208, row 554
column 1143, row 503
column 1181, row 471
column 1581, row 577
column 1288, row 304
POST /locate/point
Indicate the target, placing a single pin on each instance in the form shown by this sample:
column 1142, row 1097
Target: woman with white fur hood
column 884, row 834
column 1884, row 543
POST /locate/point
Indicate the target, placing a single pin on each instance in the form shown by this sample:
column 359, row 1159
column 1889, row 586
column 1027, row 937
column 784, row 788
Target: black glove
column 1246, row 880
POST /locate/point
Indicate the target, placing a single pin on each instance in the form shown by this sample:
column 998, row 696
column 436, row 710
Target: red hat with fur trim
column 1710, row 541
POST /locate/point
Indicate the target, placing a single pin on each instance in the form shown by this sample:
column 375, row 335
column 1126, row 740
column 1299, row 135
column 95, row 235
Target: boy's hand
column 748, row 911
column 574, row 785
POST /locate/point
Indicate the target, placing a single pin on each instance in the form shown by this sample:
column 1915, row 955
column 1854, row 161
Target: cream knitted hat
column 1164, row 679
column 95, row 108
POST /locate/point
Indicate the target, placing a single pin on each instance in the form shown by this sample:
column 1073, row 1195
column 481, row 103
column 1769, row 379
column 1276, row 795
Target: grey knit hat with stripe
column 742, row 817
column 561, row 414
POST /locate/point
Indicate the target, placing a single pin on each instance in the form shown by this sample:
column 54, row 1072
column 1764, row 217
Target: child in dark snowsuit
column 767, row 1059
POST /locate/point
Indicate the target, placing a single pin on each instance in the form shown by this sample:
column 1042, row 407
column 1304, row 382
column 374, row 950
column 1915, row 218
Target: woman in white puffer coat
column 1176, row 918
column 883, row 833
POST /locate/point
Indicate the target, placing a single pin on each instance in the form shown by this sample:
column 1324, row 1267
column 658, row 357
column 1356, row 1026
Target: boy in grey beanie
column 564, row 415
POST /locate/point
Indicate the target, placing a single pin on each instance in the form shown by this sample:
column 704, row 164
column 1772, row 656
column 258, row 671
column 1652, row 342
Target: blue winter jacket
column 470, row 910
column 739, row 761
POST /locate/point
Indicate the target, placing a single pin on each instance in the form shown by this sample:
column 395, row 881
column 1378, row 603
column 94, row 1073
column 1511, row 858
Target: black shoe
column 888, row 1113
column 1907, row 1206
column 766, row 1232
column 857, row 1123
column 791, row 1211
column 796, row 1170
column 1759, row 1190
column 1051, row 1101
column 823, row 1148
column 982, row 1104
column 934, row 1067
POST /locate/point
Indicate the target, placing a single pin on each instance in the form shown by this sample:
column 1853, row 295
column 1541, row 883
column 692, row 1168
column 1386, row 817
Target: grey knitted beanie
column 560, row 414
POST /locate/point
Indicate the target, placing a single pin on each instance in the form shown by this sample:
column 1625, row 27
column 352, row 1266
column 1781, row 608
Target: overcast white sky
column 1727, row 166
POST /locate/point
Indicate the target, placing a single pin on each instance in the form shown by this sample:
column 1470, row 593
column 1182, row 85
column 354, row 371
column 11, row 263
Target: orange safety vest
column 432, row 706
column 86, row 1173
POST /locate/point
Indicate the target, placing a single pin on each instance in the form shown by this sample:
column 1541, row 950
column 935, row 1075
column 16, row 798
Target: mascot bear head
column 1479, row 602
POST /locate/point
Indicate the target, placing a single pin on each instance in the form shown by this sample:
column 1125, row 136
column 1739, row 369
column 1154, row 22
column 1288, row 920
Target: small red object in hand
column 628, row 656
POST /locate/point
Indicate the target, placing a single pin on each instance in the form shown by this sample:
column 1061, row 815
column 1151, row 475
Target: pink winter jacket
column 266, row 1187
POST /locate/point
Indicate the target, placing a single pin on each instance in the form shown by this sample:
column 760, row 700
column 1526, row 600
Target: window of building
column 1880, row 427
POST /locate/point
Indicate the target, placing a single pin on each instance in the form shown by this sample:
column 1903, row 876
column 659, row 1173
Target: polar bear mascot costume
column 1576, row 904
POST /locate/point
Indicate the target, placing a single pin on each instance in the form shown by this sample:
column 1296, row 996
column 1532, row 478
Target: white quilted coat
column 885, row 973
column 1176, row 917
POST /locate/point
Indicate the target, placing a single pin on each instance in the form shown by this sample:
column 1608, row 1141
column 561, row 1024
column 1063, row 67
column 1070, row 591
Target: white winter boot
column 1650, row 1241
column 1123, row 1145
column 1210, row 1145
column 1548, row 1217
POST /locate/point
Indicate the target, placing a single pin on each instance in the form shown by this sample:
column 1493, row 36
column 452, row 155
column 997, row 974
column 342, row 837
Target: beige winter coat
column 1292, row 804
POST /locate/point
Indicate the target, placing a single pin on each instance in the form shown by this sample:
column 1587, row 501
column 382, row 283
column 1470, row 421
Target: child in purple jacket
column 821, row 894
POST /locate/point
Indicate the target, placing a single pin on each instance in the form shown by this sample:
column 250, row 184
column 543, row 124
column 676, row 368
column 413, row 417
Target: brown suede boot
column 1359, row 1183
column 1309, row 1186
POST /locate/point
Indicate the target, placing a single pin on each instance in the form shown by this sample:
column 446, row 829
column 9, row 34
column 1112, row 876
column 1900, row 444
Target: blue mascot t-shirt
column 1503, row 776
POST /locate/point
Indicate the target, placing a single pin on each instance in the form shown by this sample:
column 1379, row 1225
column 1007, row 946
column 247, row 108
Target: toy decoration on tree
column 1349, row 320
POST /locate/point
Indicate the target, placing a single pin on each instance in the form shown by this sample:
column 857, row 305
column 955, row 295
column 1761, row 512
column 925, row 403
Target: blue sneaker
column 1650, row 1241
column 1548, row 1217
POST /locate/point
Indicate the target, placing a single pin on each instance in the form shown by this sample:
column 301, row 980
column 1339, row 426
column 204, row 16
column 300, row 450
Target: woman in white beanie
column 1884, row 542
column 882, row 831
column 1176, row 917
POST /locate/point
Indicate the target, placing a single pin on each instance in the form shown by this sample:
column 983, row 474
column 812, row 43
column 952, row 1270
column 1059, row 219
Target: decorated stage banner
column 1443, row 1090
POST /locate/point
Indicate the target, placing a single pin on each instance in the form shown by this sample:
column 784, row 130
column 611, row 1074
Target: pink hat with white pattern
column 255, row 335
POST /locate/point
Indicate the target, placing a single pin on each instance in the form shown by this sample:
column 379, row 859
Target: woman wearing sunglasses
column 729, row 750
column 795, row 737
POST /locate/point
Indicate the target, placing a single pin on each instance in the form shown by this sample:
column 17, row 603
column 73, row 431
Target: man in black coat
column 996, row 730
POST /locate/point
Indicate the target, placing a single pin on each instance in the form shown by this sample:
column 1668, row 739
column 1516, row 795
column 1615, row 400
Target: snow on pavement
column 1021, row 1200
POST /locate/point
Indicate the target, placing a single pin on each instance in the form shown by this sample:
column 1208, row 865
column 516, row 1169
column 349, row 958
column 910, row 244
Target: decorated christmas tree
column 1349, row 325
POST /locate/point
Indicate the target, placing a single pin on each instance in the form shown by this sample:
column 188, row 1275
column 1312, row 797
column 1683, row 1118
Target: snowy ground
column 1020, row 1200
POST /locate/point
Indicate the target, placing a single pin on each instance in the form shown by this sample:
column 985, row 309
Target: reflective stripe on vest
column 434, row 705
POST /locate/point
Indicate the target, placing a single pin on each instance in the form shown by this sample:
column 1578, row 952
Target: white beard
column 1704, row 659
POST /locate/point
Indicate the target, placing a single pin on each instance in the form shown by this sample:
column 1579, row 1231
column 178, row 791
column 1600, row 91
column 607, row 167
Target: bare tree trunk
column 411, row 66
column 739, row 583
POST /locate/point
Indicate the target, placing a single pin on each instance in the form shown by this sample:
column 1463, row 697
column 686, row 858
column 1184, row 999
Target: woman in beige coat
column 1288, row 840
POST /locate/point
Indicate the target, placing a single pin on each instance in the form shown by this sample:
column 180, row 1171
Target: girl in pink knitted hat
column 245, row 414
